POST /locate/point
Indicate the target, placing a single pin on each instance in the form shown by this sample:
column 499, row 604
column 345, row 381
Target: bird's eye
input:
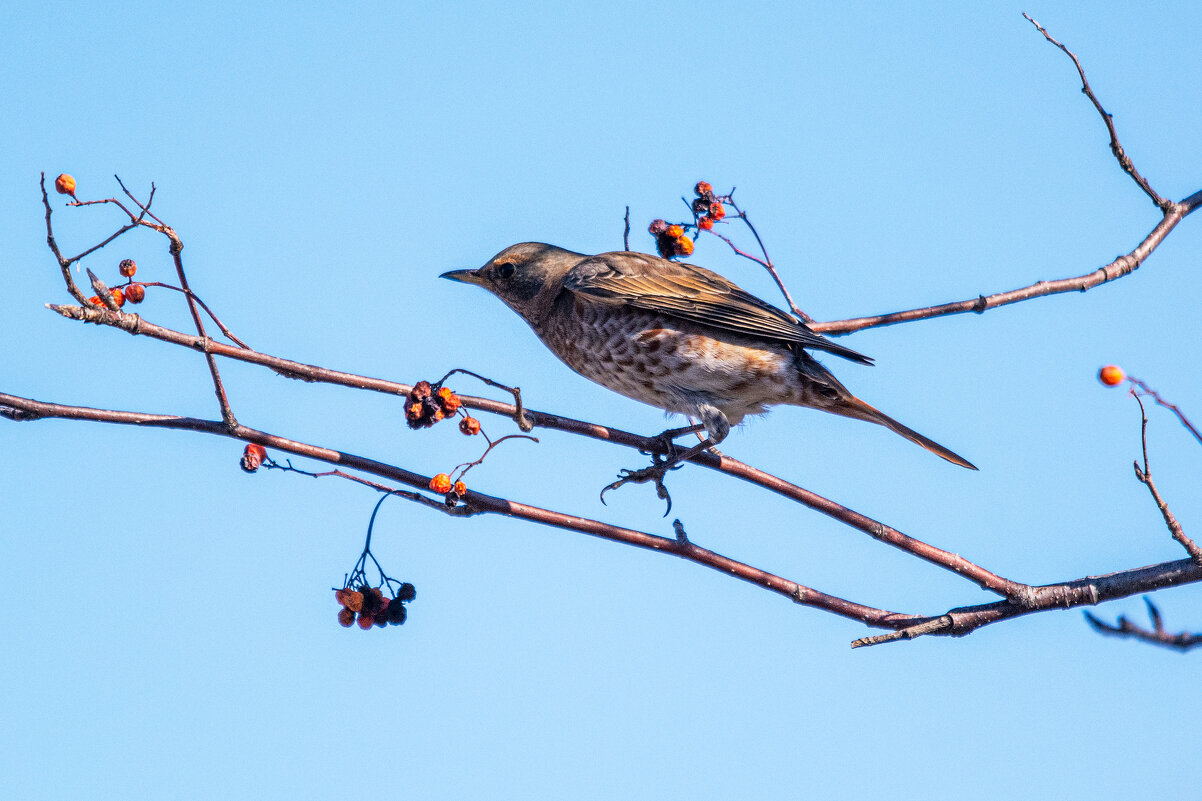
column 505, row 270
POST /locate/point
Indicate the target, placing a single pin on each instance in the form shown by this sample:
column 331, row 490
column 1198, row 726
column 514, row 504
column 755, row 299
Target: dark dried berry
column 406, row 592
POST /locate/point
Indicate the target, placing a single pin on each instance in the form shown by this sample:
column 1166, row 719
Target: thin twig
column 1145, row 477
column 1182, row 641
column 1115, row 148
column 1147, row 391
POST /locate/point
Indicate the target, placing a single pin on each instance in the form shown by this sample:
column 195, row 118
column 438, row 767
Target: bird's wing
column 691, row 293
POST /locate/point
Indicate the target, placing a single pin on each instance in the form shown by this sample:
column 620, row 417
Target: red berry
column 703, row 188
column 441, row 483
column 346, row 617
column 135, row 293
column 252, row 457
column 717, row 211
column 706, row 223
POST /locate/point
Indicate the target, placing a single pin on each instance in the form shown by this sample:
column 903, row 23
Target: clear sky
column 169, row 631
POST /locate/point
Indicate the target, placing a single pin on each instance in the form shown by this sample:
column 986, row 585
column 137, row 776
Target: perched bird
column 675, row 336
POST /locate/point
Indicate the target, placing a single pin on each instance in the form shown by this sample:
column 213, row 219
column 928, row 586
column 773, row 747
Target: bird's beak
column 465, row 276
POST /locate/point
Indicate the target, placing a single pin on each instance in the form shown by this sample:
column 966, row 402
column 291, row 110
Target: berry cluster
column 424, row 407
column 134, row 293
column 369, row 607
column 253, row 457
column 670, row 238
column 443, row 485
column 708, row 206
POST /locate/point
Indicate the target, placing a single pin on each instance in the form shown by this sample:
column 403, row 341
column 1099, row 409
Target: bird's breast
column 670, row 363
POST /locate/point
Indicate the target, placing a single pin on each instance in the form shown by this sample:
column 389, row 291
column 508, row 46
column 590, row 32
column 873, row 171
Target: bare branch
column 1182, row 641
column 1145, row 477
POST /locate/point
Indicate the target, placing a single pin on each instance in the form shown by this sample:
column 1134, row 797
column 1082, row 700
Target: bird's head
column 527, row 276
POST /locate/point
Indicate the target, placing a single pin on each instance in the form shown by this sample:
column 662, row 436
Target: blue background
column 169, row 631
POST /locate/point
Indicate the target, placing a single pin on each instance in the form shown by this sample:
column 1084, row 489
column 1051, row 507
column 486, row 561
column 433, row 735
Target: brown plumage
column 675, row 336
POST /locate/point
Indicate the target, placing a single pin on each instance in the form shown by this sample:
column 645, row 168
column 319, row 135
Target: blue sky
column 169, row 631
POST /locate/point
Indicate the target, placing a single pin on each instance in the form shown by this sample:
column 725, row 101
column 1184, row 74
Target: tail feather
column 853, row 407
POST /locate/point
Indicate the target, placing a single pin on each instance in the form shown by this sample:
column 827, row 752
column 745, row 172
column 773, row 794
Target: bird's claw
column 654, row 472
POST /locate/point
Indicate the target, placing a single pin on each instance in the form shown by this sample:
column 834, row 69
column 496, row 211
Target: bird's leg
column 713, row 422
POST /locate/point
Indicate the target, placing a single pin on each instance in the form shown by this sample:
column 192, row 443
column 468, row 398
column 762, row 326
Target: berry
column 441, row 483
column 674, row 231
column 366, row 621
column 449, row 401
column 406, row 592
column 354, row 600
column 703, row 188
column 657, row 227
column 65, row 185
column 1111, row 375
column 717, row 211
column 396, row 613
column 127, row 268
column 135, row 293
column 346, row 617
column 252, row 457
column 118, row 296
column 96, row 301
column 706, row 223
column 682, row 246
column 460, row 488
column 469, row 426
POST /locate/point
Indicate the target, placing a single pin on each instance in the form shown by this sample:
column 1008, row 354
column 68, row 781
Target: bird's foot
column 660, row 465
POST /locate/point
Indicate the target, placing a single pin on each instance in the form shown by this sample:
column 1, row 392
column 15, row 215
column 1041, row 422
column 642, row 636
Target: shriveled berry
column 460, row 488
column 396, row 613
column 441, row 483
column 683, row 246
column 469, row 426
column 346, row 617
column 96, row 301
column 118, row 296
column 706, row 223
column 354, row 601
column 373, row 600
column 366, row 621
column 253, row 456
column 717, row 211
column 1111, row 375
column 127, row 268
column 64, row 185
column 449, row 401
column 406, row 592
column 703, row 188
column 657, row 227
column 674, row 231
column 135, row 293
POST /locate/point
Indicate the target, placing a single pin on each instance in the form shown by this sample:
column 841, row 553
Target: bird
column 676, row 336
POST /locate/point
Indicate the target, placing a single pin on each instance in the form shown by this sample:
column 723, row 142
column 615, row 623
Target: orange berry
column 460, row 488
column 96, row 301
column 346, row 617
column 674, row 231
column 441, row 483
column 118, row 296
column 449, row 400
column 127, row 268
column 1111, row 375
column 353, row 600
column 706, row 223
column 717, row 211
column 703, row 188
column 438, row 415
column 682, row 246
column 64, row 185
column 135, row 293
column 469, row 426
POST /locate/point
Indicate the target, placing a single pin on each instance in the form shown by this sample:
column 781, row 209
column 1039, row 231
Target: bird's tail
column 851, row 406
